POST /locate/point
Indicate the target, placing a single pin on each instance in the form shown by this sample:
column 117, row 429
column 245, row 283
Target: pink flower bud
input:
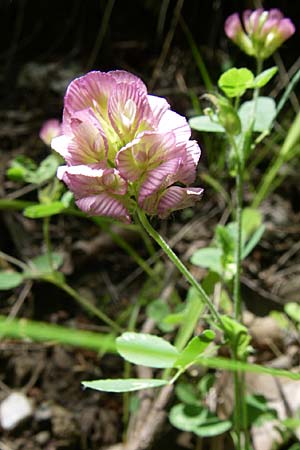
column 260, row 33
column 50, row 129
column 125, row 148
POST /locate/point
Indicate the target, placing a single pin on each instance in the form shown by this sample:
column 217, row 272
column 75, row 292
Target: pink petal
column 129, row 111
column 158, row 107
column 159, row 178
column 50, row 129
column 172, row 121
column 84, row 92
column 286, row 29
column 145, row 153
column 175, row 198
column 104, row 205
column 89, row 144
column 60, row 144
column 233, row 26
column 121, row 76
column 84, row 181
column 187, row 170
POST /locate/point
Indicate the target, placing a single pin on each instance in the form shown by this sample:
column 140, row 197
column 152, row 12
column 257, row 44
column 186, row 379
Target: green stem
column 180, row 266
column 45, row 332
column 46, row 233
column 238, row 247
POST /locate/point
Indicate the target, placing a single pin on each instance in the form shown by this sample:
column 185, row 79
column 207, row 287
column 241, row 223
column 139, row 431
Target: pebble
column 15, row 408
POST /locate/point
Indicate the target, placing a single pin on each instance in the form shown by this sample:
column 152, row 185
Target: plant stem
column 43, row 332
column 180, row 266
column 46, row 223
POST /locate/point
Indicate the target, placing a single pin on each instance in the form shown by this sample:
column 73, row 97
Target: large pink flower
column 110, row 123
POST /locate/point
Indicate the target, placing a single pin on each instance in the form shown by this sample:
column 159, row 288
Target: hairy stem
column 180, row 266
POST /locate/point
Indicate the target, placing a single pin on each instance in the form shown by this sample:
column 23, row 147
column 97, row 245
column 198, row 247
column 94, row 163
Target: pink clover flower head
column 124, row 148
column 260, row 32
column 50, row 129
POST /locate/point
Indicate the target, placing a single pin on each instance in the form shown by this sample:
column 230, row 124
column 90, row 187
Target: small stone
column 14, row 409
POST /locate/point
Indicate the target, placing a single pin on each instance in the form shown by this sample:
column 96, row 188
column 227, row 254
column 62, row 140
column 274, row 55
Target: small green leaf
column 234, row 82
column 263, row 78
column 197, row 419
column 129, row 385
column 208, row 257
column 212, row 427
column 44, row 210
column 264, row 115
column 251, row 221
column 187, row 417
column 10, row 279
column 146, row 350
column 41, row 264
column 205, row 123
column 194, row 349
column 157, row 311
column 46, row 170
column 186, row 393
column 253, row 241
column 292, row 309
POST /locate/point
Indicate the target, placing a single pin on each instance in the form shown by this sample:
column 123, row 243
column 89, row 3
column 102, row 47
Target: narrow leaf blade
column 121, row 385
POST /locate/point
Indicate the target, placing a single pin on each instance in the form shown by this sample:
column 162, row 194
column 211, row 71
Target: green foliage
column 37, row 268
column 10, row 279
column 258, row 410
column 44, row 210
column 198, row 420
column 147, row 350
column 194, row 349
column 206, row 123
column 158, row 310
column 264, row 77
column 292, row 309
column 220, row 258
column 263, row 111
column 234, row 82
column 238, row 336
column 120, row 385
column 25, row 169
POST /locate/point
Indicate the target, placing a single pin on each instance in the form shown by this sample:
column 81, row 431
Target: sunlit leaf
column 205, row 123
column 265, row 113
column 146, row 350
column 121, row 385
column 44, row 210
column 10, row 279
column 194, row 349
column 263, row 78
column 234, row 82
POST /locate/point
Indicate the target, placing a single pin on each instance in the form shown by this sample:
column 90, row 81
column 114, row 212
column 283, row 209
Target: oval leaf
column 212, row 427
column 43, row 210
column 210, row 258
column 131, row 384
column 9, row 279
column 204, row 123
column 264, row 116
column 187, row 417
column 146, row 350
